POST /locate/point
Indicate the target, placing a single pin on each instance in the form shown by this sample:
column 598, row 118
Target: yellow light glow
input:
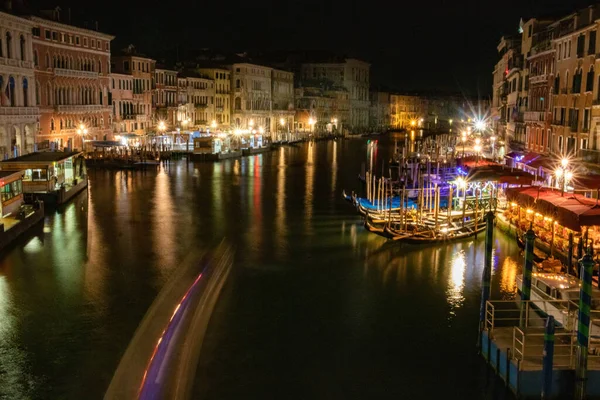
column 251, row 123
column 529, row 211
column 281, row 121
column 568, row 175
column 261, row 129
column 564, row 162
column 558, row 172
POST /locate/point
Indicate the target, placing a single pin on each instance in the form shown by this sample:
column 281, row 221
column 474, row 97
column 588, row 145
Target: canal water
column 315, row 307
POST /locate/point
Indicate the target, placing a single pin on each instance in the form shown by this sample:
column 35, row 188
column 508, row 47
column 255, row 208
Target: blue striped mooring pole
column 583, row 323
column 548, row 360
column 527, row 272
column 487, row 272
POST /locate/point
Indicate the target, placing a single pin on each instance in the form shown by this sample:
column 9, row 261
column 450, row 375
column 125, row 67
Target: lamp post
column 477, row 149
column 311, row 123
column 82, row 131
column 564, row 174
column 161, row 129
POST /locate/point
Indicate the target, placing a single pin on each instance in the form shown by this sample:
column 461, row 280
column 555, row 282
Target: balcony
column 590, row 156
column 538, row 79
column 518, row 117
column 73, row 73
column 200, row 105
column 17, row 111
column 219, row 109
column 13, row 62
column 81, row 108
column 535, row 116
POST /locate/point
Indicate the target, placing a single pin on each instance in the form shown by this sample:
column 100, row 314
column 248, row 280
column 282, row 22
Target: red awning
column 586, row 182
column 501, row 174
column 571, row 210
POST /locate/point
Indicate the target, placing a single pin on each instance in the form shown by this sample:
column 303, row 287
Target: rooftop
column 46, row 156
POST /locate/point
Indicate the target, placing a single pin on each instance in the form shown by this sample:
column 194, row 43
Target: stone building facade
column 222, row 95
column 19, row 95
column 72, row 70
column 141, row 69
column 251, row 96
column 122, row 103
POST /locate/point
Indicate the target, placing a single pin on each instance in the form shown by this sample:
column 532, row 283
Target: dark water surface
column 315, row 307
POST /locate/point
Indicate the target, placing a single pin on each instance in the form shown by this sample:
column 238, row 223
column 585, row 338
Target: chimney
column 8, row 5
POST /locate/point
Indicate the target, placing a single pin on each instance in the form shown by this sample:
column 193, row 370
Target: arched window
column 10, row 91
column 52, row 124
column 47, row 60
column 61, row 123
column 37, row 93
column 22, row 47
column 238, row 84
column 556, row 83
column 100, row 97
column 238, row 103
column 35, row 58
column 49, row 95
column 8, row 45
column 25, row 93
column 99, row 67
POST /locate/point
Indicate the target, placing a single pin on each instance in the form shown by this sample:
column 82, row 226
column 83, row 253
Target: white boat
column 558, row 295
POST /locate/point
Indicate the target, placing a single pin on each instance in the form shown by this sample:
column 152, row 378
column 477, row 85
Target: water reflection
column 163, row 228
column 508, row 275
column 308, row 189
column 280, row 226
column 334, row 168
column 456, row 283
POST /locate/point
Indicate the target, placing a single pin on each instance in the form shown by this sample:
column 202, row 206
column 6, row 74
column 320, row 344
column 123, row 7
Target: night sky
column 412, row 45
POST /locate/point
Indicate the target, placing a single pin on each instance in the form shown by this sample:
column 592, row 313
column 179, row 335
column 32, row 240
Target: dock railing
column 520, row 326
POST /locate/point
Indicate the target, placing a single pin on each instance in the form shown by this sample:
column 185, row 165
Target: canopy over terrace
column 571, row 210
column 501, row 174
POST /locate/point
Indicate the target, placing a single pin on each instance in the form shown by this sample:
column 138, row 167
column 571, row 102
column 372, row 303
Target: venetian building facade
column 575, row 38
column 251, row 96
column 222, row 94
column 141, row 69
column 351, row 74
column 282, row 90
column 122, row 103
column 327, row 107
column 405, row 109
column 196, row 95
column 165, row 95
column 538, row 117
column 505, row 93
column 72, row 67
column 19, row 114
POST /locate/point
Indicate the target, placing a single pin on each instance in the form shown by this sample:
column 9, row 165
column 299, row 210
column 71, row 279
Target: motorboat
column 557, row 294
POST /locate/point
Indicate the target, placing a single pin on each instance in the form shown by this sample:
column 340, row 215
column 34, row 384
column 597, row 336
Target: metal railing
column 523, row 323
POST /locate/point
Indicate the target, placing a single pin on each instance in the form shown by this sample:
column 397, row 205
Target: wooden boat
column 256, row 150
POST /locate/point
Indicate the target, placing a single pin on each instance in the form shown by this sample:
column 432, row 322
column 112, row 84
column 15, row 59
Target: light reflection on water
column 456, row 282
column 72, row 297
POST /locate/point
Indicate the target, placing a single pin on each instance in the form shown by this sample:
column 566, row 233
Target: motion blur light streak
column 149, row 392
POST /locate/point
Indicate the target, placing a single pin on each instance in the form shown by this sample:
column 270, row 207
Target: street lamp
column 480, row 125
column 311, row 123
column 82, row 131
column 251, row 123
column 477, row 149
column 565, row 173
column 213, row 124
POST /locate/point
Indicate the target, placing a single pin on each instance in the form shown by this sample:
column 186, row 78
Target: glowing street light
column 413, row 123
column 480, row 125
column 281, row 121
column 564, row 173
column 261, row 130
column 213, row 124
column 251, row 123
